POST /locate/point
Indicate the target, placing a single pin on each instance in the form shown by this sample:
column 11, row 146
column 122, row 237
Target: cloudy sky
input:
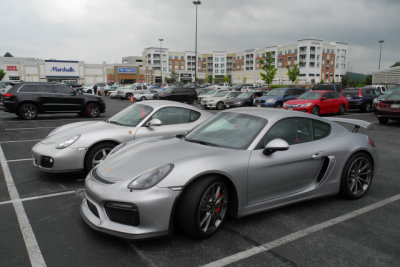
column 107, row 30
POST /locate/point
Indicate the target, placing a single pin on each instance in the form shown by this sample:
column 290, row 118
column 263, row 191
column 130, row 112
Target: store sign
column 186, row 75
column 12, row 68
column 60, row 68
column 126, row 70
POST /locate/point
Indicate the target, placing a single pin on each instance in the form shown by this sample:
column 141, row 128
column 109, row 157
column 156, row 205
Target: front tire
column 357, row 176
column 28, row 111
column 97, row 154
column 342, row 109
column 367, row 107
column 220, row 106
column 383, row 121
column 203, row 207
column 315, row 110
column 92, row 110
column 142, row 98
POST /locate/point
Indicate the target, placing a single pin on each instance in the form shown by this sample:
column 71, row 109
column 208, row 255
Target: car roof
column 168, row 103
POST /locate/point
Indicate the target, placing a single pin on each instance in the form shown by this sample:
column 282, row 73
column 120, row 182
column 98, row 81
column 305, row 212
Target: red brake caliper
column 219, row 208
column 90, row 110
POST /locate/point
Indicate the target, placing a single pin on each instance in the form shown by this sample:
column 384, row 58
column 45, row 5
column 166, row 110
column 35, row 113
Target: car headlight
column 271, row 100
column 151, row 178
column 238, row 103
column 68, row 142
column 305, row 105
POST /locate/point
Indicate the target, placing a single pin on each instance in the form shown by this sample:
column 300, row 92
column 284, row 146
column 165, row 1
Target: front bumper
column 50, row 159
column 209, row 104
column 233, row 105
column 153, row 209
column 264, row 104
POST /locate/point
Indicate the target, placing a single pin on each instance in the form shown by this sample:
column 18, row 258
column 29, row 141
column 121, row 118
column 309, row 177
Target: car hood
column 141, row 156
column 83, row 128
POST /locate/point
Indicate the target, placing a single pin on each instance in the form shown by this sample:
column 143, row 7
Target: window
column 45, row 89
column 63, row 90
column 174, row 115
column 26, row 89
column 321, row 129
column 216, row 59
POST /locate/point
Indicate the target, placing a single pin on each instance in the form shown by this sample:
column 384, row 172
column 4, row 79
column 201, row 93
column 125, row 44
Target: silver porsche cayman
column 82, row 145
column 239, row 162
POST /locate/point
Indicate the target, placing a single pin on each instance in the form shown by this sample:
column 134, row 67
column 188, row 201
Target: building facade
column 389, row 77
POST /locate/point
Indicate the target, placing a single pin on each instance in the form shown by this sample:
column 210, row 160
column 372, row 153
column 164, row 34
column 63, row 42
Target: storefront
column 62, row 71
column 185, row 77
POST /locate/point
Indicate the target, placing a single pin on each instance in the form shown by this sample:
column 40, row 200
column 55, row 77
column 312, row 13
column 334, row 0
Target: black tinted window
column 45, row 89
column 321, row 129
column 63, row 90
column 27, row 89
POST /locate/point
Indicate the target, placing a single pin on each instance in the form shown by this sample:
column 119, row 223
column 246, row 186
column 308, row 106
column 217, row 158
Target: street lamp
column 380, row 53
column 161, row 40
column 196, row 3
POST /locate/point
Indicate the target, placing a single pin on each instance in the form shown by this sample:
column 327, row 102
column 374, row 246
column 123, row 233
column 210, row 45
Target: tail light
column 383, row 105
column 360, row 93
column 371, row 142
column 7, row 95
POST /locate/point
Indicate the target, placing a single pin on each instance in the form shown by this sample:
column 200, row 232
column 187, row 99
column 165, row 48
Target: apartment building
column 317, row 60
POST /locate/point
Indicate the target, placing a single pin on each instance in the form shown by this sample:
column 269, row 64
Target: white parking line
column 302, row 233
column 42, row 196
column 16, row 160
column 19, row 129
column 35, row 255
column 20, row 141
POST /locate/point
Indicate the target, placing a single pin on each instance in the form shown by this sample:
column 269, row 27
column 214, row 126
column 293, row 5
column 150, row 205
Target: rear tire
column 383, row 121
column 357, row 176
column 142, row 98
column 367, row 107
column 203, row 207
column 190, row 100
column 315, row 110
column 28, row 111
column 220, row 106
column 97, row 154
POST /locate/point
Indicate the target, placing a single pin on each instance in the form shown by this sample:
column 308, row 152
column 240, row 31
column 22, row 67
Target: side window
column 26, row 89
column 173, row 115
column 292, row 130
column 139, row 87
column 194, row 116
column 63, row 90
column 45, row 89
column 144, row 87
column 321, row 129
column 335, row 95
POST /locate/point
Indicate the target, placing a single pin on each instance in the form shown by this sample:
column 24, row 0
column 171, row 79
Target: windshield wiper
column 201, row 142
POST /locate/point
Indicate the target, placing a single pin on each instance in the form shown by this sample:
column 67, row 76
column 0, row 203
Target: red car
column 389, row 108
column 319, row 102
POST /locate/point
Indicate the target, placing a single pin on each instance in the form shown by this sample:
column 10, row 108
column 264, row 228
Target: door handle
column 318, row 155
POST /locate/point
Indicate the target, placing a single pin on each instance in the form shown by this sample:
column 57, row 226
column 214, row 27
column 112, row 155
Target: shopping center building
column 318, row 61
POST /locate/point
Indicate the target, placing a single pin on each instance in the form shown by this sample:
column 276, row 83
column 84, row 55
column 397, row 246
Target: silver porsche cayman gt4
column 239, row 162
column 82, row 145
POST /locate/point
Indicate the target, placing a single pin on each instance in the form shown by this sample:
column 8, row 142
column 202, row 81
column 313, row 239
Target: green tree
column 293, row 73
column 215, row 80
column 396, row 64
column 8, row 55
column 244, row 79
column 2, row 74
column 345, row 80
column 353, row 83
column 268, row 65
column 312, row 81
column 209, row 79
column 226, row 79
column 174, row 77
column 368, row 80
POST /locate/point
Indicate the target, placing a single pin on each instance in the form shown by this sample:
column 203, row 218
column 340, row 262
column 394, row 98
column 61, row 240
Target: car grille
column 121, row 212
column 292, row 106
column 46, row 162
column 93, row 208
column 260, row 101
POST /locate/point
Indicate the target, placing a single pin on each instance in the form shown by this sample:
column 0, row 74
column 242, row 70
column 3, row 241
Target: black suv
column 181, row 94
column 28, row 99
column 361, row 98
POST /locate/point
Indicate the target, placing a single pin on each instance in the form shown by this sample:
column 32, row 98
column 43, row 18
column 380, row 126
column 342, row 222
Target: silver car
column 217, row 100
column 240, row 162
column 145, row 95
column 82, row 145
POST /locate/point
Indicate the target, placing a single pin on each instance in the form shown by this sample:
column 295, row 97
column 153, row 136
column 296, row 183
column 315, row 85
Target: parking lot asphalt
column 40, row 222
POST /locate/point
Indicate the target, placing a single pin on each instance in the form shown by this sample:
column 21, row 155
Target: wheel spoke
column 365, row 173
column 353, row 182
column 216, row 195
column 207, row 222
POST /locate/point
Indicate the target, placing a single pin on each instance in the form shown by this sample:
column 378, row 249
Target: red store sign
column 12, row 68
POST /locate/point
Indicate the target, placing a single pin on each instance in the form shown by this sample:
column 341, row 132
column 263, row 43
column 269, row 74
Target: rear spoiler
column 357, row 123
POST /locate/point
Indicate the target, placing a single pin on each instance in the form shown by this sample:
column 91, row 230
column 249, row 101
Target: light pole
column 196, row 3
column 161, row 40
column 380, row 53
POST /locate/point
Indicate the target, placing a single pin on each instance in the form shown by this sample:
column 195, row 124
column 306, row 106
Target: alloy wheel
column 358, row 177
column 100, row 155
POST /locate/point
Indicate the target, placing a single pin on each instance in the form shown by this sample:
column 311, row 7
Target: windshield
column 169, row 89
column 230, row 130
column 277, row 92
column 310, row 95
column 244, row 95
column 221, row 93
column 131, row 116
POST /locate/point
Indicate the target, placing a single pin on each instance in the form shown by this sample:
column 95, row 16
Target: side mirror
column 153, row 122
column 275, row 145
column 324, row 98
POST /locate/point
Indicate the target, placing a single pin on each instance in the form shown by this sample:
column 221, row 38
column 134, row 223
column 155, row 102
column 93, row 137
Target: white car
column 128, row 91
column 217, row 100
column 145, row 95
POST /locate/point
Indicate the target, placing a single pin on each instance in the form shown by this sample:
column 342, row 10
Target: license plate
column 227, row 106
column 395, row 106
column 348, row 97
